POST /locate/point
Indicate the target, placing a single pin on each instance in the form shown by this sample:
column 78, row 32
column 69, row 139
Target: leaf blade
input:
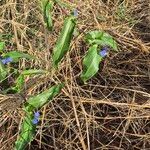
column 90, row 63
column 38, row 101
column 64, row 40
column 16, row 55
column 47, row 13
column 27, row 132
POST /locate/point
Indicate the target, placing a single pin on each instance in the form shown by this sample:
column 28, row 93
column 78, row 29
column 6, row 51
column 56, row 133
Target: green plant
column 47, row 7
column 101, row 38
column 16, row 55
column 10, row 57
column 97, row 40
column 28, row 128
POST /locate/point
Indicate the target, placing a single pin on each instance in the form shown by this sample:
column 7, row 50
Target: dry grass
column 113, row 110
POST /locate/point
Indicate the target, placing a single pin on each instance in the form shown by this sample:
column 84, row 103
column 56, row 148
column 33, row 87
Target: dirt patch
column 142, row 13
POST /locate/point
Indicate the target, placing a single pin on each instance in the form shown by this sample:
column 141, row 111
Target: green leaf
column 64, row 40
column 16, row 55
column 107, row 40
column 101, row 38
column 93, row 35
column 90, row 63
column 47, row 10
column 38, row 101
column 3, row 71
column 2, row 45
column 28, row 130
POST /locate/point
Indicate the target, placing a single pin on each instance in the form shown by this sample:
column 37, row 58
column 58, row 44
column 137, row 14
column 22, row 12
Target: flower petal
column 36, row 114
column 35, row 121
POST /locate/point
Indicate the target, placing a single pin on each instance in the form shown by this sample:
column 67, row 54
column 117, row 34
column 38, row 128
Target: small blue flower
column 3, row 61
column 6, row 60
column 75, row 12
column 103, row 52
column 37, row 114
column 9, row 59
column 36, row 117
column 35, row 121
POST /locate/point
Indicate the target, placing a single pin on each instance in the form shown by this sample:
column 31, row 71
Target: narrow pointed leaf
column 101, row 38
column 27, row 133
column 64, row 40
column 90, row 63
column 47, row 12
column 38, row 101
column 16, row 55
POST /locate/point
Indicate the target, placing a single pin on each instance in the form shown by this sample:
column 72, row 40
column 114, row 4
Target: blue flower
column 37, row 114
column 36, row 118
column 6, row 60
column 75, row 12
column 103, row 52
column 35, row 121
